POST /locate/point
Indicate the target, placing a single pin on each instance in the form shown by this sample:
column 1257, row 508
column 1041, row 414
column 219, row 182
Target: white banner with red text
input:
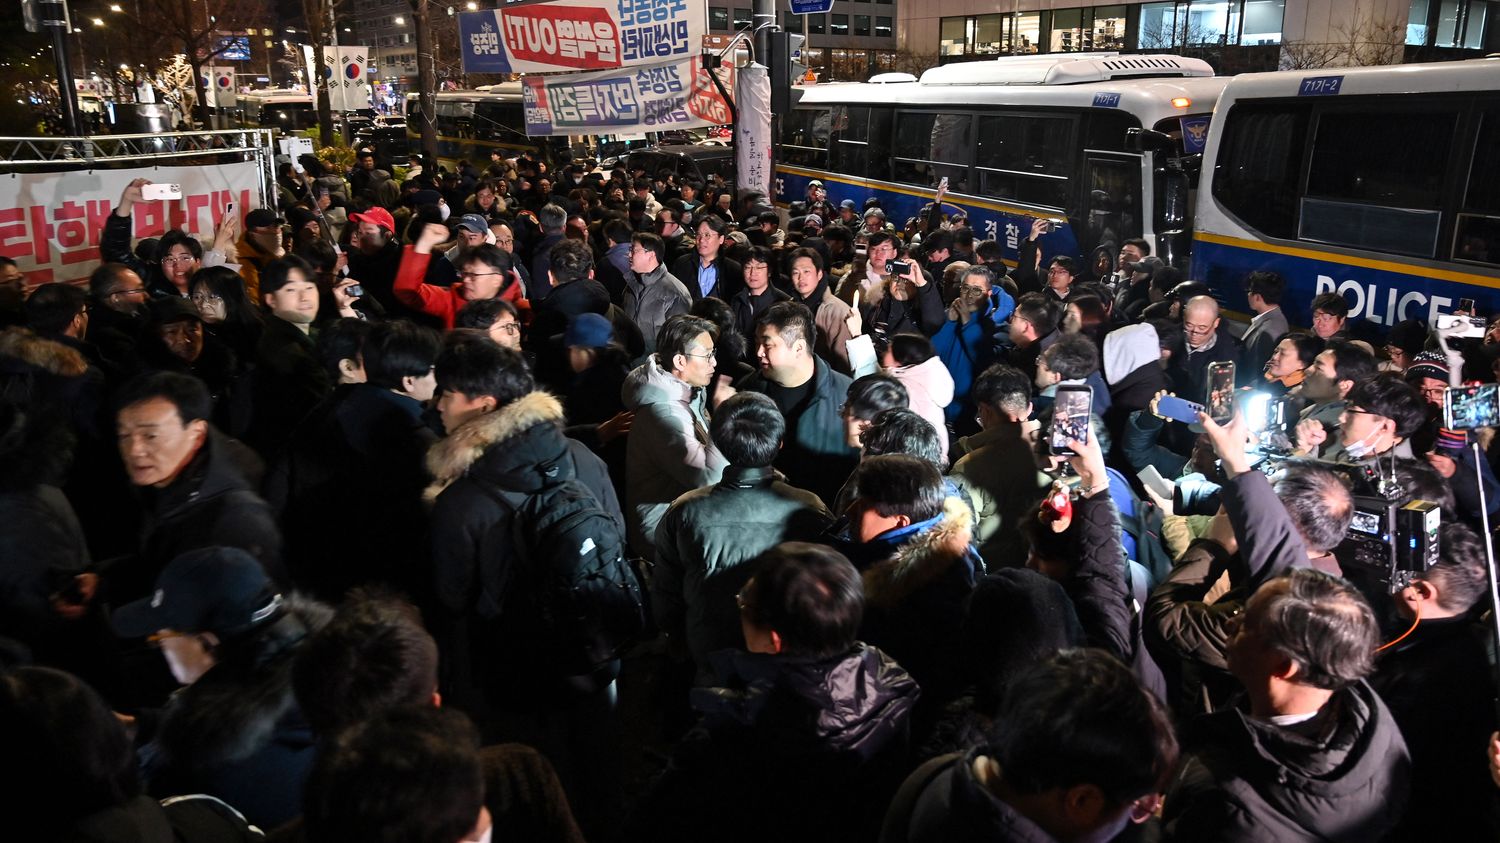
column 676, row 95
column 566, row 35
column 50, row 223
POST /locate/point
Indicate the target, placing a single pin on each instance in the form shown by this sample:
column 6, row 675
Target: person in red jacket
column 486, row 273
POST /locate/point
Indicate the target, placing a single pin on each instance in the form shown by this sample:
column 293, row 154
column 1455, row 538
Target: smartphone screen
column 1070, row 418
column 1466, row 305
column 1470, row 407
column 1221, row 391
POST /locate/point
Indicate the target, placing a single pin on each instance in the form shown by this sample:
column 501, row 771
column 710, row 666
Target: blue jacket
column 969, row 348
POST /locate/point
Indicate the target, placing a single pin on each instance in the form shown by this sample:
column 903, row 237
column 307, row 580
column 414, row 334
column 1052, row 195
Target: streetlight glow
column 115, row 7
column 472, row 6
column 400, row 21
column 98, row 21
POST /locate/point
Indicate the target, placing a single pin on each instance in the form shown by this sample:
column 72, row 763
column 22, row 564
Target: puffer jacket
column 1342, row 776
column 652, row 299
column 668, row 451
column 915, row 593
column 519, row 448
column 705, row 539
column 968, row 348
column 237, row 733
column 822, row 740
column 929, row 390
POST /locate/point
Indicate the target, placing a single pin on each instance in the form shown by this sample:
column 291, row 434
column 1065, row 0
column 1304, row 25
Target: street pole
column 763, row 19
column 56, row 19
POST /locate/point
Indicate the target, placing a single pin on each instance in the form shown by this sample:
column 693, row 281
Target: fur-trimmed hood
column 233, row 712
column 22, row 346
column 921, row 555
column 453, row 456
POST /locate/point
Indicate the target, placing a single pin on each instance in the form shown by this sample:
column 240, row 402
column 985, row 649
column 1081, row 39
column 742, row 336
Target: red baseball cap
column 379, row 216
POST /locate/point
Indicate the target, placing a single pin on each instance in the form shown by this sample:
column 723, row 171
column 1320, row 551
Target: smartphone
column 1466, row 306
column 229, row 210
column 1470, row 407
column 861, row 248
column 1070, row 418
column 943, row 184
column 1220, row 391
column 1468, row 326
column 1262, row 412
column 1178, row 409
column 897, row 267
column 1054, row 224
column 151, row 192
column 354, row 291
column 1152, row 479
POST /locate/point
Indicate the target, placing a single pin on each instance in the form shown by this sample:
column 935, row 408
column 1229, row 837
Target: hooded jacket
column 1342, row 776
column 653, row 298
column 915, row 593
column 789, row 749
column 517, row 448
column 944, row 802
column 929, row 389
column 237, row 733
column 668, row 451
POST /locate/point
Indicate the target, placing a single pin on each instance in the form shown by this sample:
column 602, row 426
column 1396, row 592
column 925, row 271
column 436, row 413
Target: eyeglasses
column 138, row 291
column 1433, row 391
column 709, row 355
column 978, row 291
column 511, row 328
column 466, row 276
column 207, row 298
column 179, row 259
column 1056, row 270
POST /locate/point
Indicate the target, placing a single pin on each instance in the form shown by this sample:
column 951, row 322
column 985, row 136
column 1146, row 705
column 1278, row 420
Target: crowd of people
column 538, row 504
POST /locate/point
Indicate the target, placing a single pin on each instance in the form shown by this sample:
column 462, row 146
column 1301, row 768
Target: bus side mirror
column 1149, row 140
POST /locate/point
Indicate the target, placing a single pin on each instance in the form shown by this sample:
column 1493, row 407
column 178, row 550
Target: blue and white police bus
column 1381, row 184
column 1019, row 138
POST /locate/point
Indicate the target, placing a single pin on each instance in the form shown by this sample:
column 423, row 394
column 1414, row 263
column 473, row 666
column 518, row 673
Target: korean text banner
column 50, row 222
column 571, row 35
column 678, row 95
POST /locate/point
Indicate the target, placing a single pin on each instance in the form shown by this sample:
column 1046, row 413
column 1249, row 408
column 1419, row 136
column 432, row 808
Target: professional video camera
column 1389, row 540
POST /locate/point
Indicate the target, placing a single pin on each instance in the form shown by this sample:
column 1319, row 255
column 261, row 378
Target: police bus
column 285, row 111
column 472, row 124
column 1381, row 184
column 1018, row 138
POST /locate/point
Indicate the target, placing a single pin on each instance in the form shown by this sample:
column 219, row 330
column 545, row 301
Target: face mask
column 1364, row 447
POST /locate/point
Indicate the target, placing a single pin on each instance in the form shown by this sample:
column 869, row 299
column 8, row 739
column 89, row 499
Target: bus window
column 1362, row 191
column 859, row 136
column 804, row 137
column 1112, row 206
column 1259, row 165
column 1476, row 238
column 1106, row 129
column 930, row 146
column 1026, row 158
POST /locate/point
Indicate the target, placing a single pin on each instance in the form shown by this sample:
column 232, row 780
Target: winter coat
column 747, row 308
column 703, row 542
column 288, row 383
column 549, row 322
column 821, row 740
column 1189, row 372
column 1342, row 776
column 944, row 802
column 915, row 594
column 184, row 819
column 1133, row 392
column 1186, row 633
column 831, row 318
column 376, row 273
column 651, row 299
column 114, row 247
column 212, row 503
column 1000, row 476
column 612, row 271
column 668, row 452
column 441, row 302
column 518, row 448
column 237, row 733
column 730, row 282
column 968, row 348
column 252, row 261
column 929, row 391
column 923, row 314
column 814, row 455
column 41, row 548
column 364, row 447
column 1438, row 686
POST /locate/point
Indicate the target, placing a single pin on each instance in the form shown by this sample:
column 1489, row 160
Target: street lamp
column 400, row 21
column 472, row 6
column 115, row 7
column 98, row 21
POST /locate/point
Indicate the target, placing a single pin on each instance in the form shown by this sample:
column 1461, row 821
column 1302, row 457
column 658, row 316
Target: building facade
column 854, row 40
column 1234, row 35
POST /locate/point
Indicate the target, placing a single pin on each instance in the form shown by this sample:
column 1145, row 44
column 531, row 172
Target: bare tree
column 1361, row 42
column 196, row 28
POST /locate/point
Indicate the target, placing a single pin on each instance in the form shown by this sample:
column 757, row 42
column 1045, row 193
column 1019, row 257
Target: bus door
column 1113, row 196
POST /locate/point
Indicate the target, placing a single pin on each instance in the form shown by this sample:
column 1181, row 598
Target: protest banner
column 676, row 95
column 571, row 35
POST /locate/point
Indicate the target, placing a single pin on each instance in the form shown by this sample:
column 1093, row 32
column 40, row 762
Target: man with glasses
column 486, row 274
column 1061, row 273
column 1381, row 415
column 1033, row 327
column 1203, row 343
column 669, row 229
column 119, row 315
column 505, row 240
column 706, row 270
column 757, row 295
column 652, row 294
column 669, row 451
column 1330, row 315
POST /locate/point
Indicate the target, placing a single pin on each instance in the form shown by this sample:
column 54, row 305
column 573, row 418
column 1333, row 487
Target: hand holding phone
column 1070, row 418
column 156, row 192
column 1172, row 408
column 1220, row 391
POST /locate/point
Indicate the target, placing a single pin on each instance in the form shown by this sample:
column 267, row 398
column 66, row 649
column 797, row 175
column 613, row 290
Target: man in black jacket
column 705, row 271
column 192, row 481
column 1314, row 755
column 574, row 292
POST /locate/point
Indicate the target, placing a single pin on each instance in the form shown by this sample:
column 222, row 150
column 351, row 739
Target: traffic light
column 786, row 69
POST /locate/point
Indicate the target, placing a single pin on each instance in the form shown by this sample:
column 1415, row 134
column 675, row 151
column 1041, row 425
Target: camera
column 1388, row 541
column 894, row 267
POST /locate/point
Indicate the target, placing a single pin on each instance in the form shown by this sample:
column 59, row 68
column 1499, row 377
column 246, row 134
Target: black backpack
column 571, row 578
